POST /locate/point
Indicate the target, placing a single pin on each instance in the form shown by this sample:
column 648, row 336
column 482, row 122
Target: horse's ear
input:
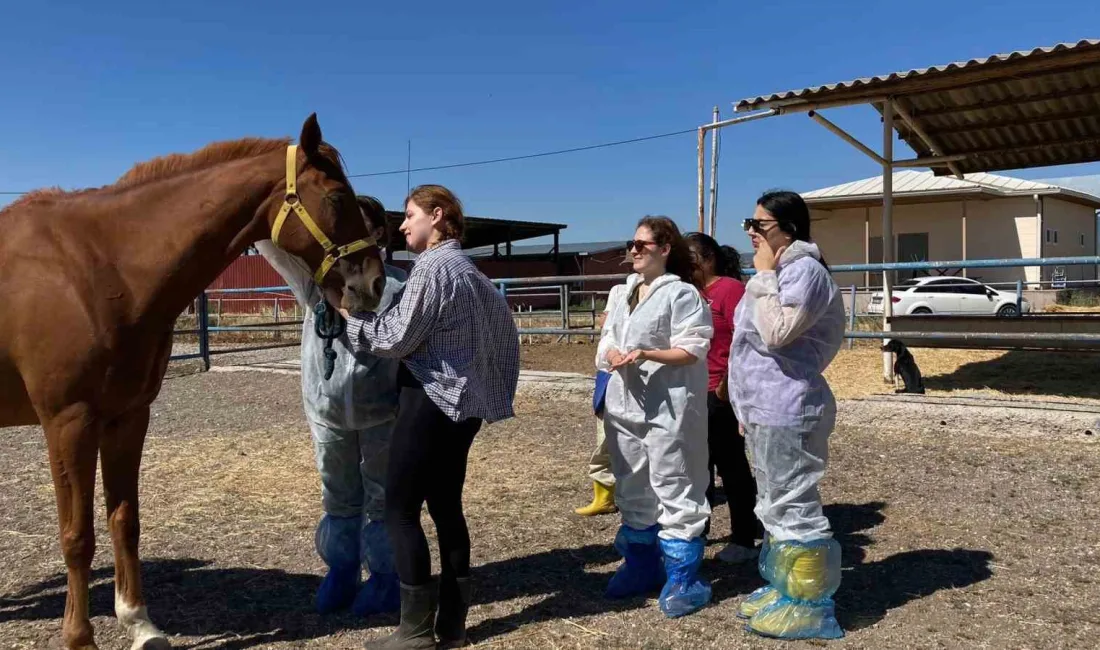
column 310, row 140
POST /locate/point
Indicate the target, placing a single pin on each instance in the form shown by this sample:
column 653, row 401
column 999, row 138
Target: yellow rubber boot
column 603, row 502
column 805, row 575
column 757, row 601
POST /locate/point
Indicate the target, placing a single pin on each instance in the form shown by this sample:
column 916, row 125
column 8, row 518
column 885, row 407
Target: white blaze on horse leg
column 135, row 620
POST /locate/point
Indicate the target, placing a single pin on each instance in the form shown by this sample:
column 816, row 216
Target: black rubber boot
column 418, row 607
column 455, row 595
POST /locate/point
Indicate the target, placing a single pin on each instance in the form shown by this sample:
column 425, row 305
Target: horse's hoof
column 155, row 643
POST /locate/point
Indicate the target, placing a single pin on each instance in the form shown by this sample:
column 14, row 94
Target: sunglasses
column 639, row 245
column 757, row 225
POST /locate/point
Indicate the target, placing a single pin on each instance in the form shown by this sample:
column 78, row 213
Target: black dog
column 905, row 366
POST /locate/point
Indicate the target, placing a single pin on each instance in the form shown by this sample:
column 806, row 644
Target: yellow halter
column 291, row 202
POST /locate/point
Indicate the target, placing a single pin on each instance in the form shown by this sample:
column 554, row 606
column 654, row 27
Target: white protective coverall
column 351, row 417
column 655, row 415
column 788, row 328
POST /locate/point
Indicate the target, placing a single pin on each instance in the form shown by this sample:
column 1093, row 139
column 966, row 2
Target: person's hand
column 766, row 259
column 634, row 356
column 741, row 429
column 613, row 357
column 723, row 390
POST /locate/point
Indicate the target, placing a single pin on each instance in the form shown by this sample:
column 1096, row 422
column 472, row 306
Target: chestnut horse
column 91, row 283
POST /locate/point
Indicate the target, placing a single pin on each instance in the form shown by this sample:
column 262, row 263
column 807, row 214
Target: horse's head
column 318, row 219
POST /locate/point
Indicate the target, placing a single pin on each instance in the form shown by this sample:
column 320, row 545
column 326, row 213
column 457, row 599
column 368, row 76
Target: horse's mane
column 176, row 164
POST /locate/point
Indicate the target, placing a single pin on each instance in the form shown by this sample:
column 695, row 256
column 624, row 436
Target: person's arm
column 692, row 329
column 786, row 306
column 404, row 327
column 607, row 351
column 294, row 272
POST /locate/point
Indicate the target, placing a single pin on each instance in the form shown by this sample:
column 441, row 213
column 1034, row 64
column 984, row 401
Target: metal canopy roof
column 1017, row 110
column 482, row 231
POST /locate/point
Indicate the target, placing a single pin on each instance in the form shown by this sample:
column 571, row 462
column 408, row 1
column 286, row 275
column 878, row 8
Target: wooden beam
column 928, row 140
column 1010, row 101
column 1062, row 142
column 1014, row 122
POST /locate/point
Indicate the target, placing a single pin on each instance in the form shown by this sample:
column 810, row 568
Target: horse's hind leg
column 72, row 439
column 120, row 453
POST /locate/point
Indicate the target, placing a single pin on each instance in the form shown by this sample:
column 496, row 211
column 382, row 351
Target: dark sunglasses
column 639, row 245
column 757, row 224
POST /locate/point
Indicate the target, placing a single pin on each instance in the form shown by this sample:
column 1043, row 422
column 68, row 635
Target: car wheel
column 1008, row 311
column 921, row 311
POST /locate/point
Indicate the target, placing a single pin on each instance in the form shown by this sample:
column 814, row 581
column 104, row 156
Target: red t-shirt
column 722, row 296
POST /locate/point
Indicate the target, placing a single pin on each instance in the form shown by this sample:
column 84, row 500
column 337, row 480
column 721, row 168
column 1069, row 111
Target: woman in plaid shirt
column 460, row 366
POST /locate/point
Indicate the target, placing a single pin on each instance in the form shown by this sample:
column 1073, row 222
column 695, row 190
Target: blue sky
column 92, row 88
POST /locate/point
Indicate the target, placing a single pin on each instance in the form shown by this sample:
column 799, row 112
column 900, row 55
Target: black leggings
column 427, row 463
column 727, row 453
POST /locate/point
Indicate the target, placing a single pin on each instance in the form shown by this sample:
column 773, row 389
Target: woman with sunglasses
column 654, row 343
column 788, row 328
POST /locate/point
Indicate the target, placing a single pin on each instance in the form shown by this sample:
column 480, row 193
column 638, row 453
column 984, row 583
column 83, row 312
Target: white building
column 940, row 218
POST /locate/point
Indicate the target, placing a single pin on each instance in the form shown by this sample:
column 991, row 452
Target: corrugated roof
column 536, row 250
column 1030, row 108
column 582, row 248
column 916, row 184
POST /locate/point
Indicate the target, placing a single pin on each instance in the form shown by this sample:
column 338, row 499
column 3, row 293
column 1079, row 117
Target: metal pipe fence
column 566, row 288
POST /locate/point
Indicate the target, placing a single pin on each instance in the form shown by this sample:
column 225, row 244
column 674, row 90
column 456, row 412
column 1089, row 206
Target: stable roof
column 1031, row 108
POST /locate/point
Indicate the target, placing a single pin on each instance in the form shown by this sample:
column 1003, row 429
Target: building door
column 874, row 256
column 912, row 247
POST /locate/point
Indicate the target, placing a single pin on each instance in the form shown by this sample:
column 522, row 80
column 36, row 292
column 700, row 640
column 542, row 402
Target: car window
column 972, row 289
column 937, row 286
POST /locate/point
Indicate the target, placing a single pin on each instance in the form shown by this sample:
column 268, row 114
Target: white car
column 948, row 295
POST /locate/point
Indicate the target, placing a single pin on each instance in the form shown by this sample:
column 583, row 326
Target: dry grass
column 1072, row 309
column 951, row 538
column 857, row 372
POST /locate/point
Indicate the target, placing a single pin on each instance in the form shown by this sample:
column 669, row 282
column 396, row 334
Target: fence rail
column 562, row 287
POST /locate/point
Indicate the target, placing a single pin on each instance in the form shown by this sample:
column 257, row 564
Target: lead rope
column 329, row 325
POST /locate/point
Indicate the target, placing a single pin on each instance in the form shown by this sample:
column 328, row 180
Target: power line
column 543, row 154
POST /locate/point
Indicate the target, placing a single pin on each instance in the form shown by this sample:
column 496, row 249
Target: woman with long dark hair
column 788, row 328
column 717, row 268
column 654, row 343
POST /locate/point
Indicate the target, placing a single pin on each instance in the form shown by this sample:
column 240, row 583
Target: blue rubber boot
column 381, row 593
column 642, row 570
column 337, row 542
column 805, row 575
column 684, row 592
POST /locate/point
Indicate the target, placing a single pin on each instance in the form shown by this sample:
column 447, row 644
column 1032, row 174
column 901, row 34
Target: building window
column 1048, row 235
column 1055, row 236
column 1082, row 239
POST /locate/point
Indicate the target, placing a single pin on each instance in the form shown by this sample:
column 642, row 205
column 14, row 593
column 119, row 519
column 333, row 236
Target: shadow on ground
column 242, row 607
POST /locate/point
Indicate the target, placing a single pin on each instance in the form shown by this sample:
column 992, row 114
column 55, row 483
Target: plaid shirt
column 455, row 333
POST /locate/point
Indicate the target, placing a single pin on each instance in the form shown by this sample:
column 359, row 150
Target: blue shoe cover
column 337, row 542
column 642, row 570
column 382, row 591
column 685, row 592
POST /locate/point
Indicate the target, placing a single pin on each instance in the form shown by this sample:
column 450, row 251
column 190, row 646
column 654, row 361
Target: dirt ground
column 962, row 527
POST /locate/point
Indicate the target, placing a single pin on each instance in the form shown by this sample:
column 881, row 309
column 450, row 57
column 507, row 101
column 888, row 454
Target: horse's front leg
column 120, row 453
column 72, row 438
